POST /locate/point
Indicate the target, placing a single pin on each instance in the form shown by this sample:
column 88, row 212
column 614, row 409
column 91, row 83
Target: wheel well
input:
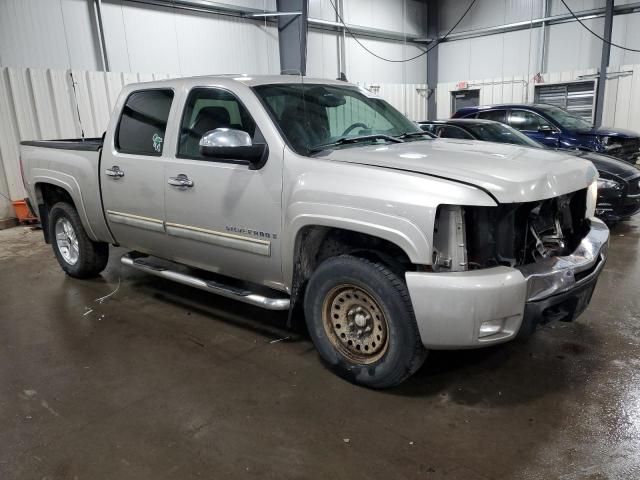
column 314, row 244
column 47, row 195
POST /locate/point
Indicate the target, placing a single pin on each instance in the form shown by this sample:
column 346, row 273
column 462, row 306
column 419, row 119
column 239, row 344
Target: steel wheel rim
column 67, row 241
column 355, row 324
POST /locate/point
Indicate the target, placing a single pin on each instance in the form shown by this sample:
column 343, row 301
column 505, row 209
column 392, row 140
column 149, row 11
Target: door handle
column 180, row 181
column 114, row 172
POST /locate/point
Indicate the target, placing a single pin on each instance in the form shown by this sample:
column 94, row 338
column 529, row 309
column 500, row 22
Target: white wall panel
column 61, row 34
column 143, row 38
column 363, row 67
column 557, row 8
column 486, row 13
column 322, row 54
column 626, row 32
column 513, row 53
column 570, row 46
column 397, row 15
column 47, row 34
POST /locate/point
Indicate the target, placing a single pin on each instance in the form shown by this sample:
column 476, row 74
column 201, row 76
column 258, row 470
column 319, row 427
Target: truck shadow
column 555, row 359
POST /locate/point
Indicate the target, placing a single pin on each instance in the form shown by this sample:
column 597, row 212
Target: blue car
column 557, row 128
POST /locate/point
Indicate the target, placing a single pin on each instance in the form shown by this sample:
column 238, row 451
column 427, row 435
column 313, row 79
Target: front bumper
column 454, row 309
column 614, row 206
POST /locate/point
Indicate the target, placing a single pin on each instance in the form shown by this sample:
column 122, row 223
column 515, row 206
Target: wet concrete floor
column 161, row 381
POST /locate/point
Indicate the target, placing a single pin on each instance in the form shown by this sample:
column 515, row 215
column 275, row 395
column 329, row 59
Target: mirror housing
column 232, row 144
column 546, row 129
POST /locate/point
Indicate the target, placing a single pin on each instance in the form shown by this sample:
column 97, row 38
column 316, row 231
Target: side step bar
column 246, row 296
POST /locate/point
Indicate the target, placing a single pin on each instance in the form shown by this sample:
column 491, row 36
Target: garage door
column 576, row 97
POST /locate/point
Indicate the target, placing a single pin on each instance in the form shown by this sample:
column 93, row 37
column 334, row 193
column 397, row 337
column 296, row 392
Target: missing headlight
column 449, row 240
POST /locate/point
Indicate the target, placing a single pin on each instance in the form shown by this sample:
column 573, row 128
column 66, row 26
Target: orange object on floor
column 22, row 211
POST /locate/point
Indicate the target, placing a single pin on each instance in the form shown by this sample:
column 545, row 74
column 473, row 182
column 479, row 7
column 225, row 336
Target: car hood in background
column 509, row 172
column 611, row 165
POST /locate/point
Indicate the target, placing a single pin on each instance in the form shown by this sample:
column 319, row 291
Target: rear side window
column 143, row 122
column 495, row 115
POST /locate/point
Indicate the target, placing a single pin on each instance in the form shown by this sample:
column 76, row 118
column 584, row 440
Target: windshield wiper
column 416, row 134
column 348, row 140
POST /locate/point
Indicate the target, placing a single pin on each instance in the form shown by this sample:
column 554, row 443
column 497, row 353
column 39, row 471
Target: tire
column 82, row 257
column 351, row 299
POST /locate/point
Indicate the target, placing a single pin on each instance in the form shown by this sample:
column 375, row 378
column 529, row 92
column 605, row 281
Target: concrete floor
column 162, row 381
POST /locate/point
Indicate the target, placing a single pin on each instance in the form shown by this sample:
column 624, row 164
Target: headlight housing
column 609, row 143
column 608, row 183
column 592, row 199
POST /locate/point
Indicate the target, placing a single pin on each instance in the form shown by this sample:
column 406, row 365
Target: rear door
column 534, row 126
column 132, row 171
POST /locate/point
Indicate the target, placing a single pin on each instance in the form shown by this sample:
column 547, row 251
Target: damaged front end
column 518, row 234
column 512, row 235
column 553, row 244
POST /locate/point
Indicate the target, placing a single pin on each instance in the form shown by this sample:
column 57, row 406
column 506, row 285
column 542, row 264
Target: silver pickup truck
column 317, row 197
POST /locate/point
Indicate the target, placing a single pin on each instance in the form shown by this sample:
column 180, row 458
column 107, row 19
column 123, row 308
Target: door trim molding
column 147, row 223
column 223, row 239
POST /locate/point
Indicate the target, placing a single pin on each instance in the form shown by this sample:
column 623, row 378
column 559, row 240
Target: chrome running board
column 147, row 265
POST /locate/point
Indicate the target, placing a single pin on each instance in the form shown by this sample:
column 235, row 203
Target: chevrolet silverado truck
column 317, row 197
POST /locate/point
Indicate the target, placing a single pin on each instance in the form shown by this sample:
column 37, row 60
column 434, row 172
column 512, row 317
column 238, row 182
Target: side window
column 495, row 115
column 527, row 121
column 143, row 122
column 428, row 127
column 450, row 131
column 207, row 109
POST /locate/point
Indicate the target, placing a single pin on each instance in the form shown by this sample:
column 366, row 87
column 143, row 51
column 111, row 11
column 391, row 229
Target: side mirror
column 231, row 144
column 546, row 129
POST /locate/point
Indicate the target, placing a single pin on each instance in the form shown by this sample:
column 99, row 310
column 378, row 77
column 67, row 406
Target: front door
column 534, row 126
column 132, row 171
column 221, row 215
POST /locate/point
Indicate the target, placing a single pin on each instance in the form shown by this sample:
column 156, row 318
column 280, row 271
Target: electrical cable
column 437, row 42
column 595, row 34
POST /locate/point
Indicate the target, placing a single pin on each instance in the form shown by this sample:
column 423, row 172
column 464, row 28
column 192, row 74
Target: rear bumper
column 483, row 307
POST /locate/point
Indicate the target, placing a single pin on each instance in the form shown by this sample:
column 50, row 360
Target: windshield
column 312, row 116
column 500, row 133
column 564, row 118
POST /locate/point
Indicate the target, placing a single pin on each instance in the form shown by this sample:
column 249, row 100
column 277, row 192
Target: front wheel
column 77, row 254
column 361, row 320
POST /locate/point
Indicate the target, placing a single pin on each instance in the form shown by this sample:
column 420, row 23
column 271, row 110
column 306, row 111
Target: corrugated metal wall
column 398, row 15
column 41, row 104
column 569, row 46
column 622, row 93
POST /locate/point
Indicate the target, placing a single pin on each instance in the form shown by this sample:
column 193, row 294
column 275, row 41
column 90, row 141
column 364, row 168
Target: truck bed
column 73, row 165
column 82, row 144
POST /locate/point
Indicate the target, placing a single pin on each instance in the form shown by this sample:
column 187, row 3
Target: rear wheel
column 76, row 253
column 360, row 318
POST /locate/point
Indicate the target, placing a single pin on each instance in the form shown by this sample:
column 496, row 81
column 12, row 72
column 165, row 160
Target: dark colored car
column 557, row 128
column 618, row 185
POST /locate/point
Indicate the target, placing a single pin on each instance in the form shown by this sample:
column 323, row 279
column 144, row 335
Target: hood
column 510, row 173
column 609, row 132
column 610, row 165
